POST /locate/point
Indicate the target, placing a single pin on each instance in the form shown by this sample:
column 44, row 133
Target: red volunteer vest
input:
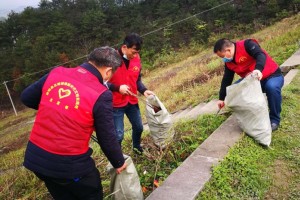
column 64, row 121
column 129, row 77
column 245, row 63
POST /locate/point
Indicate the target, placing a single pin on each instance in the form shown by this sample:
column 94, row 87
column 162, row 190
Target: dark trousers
column 87, row 187
column 134, row 115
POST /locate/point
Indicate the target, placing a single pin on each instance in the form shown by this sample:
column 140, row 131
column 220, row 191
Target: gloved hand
column 124, row 89
column 148, row 93
column 257, row 73
column 220, row 104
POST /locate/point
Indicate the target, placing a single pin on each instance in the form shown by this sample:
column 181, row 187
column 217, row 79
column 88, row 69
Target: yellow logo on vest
column 242, row 59
column 63, row 93
column 135, row 69
column 63, row 90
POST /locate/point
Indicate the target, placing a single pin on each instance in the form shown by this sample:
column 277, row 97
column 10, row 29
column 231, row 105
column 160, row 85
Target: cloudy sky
column 16, row 5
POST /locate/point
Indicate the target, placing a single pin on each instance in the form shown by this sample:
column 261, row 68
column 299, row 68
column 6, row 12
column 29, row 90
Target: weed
column 252, row 172
column 248, row 172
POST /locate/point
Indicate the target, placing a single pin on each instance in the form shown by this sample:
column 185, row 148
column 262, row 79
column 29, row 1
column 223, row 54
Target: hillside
column 188, row 82
column 63, row 32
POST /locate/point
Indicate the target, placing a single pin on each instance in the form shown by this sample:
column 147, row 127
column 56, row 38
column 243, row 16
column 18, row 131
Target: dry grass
column 194, row 80
column 191, row 81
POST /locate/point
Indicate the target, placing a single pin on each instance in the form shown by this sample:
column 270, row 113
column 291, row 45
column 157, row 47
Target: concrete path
column 189, row 178
column 291, row 61
column 192, row 113
column 289, row 77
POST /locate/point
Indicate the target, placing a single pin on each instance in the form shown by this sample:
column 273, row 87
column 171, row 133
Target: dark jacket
column 58, row 166
column 254, row 50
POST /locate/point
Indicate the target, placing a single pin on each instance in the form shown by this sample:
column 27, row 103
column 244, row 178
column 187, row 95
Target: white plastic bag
column 159, row 122
column 126, row 185
column 250, row 108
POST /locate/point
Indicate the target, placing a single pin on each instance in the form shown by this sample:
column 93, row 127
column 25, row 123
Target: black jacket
column 58, row 166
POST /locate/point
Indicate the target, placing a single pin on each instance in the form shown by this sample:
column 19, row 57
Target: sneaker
column 274, row 126
column 138, row 150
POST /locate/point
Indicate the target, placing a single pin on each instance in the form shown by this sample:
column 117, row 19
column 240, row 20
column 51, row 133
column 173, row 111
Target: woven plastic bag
column 250, row 107
column 126, row 185
column 159, row 122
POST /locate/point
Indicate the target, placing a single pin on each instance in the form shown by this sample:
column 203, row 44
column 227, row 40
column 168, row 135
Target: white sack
column 250, row 108
column 126, row 185
column 159, row 122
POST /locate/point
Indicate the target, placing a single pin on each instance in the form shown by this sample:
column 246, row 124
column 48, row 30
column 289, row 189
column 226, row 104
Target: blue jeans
column 134, row 115
column 272, row 87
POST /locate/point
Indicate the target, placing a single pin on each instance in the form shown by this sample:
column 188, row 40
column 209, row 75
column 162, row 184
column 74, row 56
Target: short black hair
column 221, row 44
column 133, row 39
column 105, row 57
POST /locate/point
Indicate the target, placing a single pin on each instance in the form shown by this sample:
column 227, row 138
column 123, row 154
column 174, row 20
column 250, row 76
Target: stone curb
column 189, row 178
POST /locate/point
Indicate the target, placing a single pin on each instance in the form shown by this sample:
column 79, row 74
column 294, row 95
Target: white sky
column 13, row 4
column 16, row 5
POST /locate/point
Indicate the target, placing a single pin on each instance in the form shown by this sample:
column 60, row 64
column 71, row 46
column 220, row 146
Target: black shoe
column 274, row 126
column 138, row 150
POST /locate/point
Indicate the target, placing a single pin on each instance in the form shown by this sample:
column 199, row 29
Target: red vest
column 128, row 77
column 64, row 121
column 245, row 63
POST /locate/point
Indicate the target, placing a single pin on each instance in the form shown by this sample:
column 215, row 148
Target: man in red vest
column 245, row 57
column 71, row 104
column 125, row 83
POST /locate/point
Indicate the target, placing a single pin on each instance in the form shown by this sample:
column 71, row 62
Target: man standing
column 125, row 84
column 71, row 104
column 244, row 57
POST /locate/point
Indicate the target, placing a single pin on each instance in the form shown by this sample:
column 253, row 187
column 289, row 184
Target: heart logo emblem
column 242, row 59
column 63, row 93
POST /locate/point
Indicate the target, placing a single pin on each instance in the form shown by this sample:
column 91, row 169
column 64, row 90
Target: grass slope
column 252, row 172
column 193, row 80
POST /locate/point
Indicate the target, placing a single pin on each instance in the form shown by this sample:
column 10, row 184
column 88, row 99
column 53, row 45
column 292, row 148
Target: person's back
column 72, row 103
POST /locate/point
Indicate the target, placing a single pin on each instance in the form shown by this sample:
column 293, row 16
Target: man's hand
column 220, row 104
column 124, row 89
column 257, row 74
column 120, row 169
column 148, row 93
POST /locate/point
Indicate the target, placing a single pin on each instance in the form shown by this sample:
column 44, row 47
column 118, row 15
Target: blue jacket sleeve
column 254, row 50
column 140, row 86
column 105, row 129
column 226, row 81
column 32, row 95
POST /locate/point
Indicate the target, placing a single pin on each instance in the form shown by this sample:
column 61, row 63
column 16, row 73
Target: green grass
column 12, row 159
column 22, row 184
column 156, row 165
column 13, row 120
column 184, row 86
column 250, row 171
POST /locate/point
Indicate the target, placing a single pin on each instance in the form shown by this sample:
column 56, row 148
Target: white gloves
column 256, row 73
